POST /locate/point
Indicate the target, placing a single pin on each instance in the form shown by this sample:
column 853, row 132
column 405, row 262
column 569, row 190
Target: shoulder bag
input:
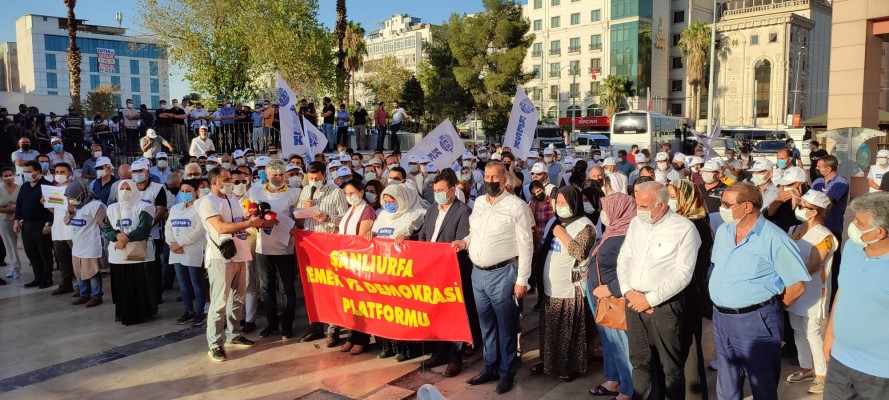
column 611, row 311
column 227, row 247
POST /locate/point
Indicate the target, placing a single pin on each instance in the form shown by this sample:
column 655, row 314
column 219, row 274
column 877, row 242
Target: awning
column 821, row 120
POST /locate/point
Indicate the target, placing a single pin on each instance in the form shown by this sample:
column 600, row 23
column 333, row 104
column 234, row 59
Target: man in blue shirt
column 227, row 120
column 342, row 126
column 855, row 341
column 795, row 155
column 757, row 272
column 623, row 165
column 837, row 189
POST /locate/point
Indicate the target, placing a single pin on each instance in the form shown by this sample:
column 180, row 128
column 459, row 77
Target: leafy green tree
column 445, row 98
column 340, row 32
column 694, row 43
column 384, row 79
column 100, row 100
column 613, row 93
column 412, row 98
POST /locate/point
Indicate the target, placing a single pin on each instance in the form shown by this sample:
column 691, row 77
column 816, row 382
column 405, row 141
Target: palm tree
column 694, row 43
column 340, row 54
column 613, row 92
column 355, row 49
column 73, row 55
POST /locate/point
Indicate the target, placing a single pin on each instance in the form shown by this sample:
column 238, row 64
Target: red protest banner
column 407, row 293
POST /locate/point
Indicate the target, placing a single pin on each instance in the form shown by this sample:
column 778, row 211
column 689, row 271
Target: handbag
column 136, row 251
column 611, row 311
column 227, row 247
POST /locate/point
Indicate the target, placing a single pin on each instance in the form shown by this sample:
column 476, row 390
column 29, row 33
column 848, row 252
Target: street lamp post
column 711, row 89
column 799, row 54
column 573, row 101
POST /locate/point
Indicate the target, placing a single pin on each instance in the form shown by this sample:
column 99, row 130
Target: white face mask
column 249, row 159
column 353, row 200
column 238, row 189
column 240, row 161
column 588, row 208
column 204, row 191
column 61, row 179
column 97, row 154
column 663, row 165
column 758, row 179
column 414, row 169
column 800, row 214
column 317, row 184
column 371, row 197
column 644, row 216
column 708, row 177
column 547, row 159
column 101, row 173
column 882, row 161
column 727, row 215
column 128, row 195
column 356, row 163
column 294, row 182
column 674, row 204
column 162, row 163
column 139, row 178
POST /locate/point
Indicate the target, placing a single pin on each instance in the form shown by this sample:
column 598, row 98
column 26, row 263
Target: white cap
column 711, row 166
column 548, row 151
column 495, row 156
column 212, row 159
column 538, row 168
column 203, row 128
column 791, row 175
column 569, row 160
column 139, row 165
column 291, row 167
column 883, row 154
column 640, row 157
column 608, row 161
column 343, row 171
column 817, row 198
column 662, row 157
column 262, row 161
column 679, row 157
column 424, row 160
column 761, row 164
column 334, row 164
column 533, row 154
column 238, row 153
column 413, row 160
column 431, row 168
column 247, row 150
column 482, row 148
column 374, row 161
column 696, row 161
column 151, row 133
column 467, row 155
column 160, row 155
column 103, row 161
column 719, row 162
column 55, row 139
column 345, row 158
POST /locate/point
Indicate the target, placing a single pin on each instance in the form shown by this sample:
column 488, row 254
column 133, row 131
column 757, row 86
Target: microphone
column 252, row 209
column 264, row 208
column 312, row 193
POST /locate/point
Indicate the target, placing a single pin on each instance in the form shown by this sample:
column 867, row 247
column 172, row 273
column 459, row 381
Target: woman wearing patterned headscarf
column 618, row 210
column 687, row 200
column 564, row 253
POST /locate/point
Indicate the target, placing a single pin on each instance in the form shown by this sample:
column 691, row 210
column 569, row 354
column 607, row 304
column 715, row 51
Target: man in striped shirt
column 332, row 205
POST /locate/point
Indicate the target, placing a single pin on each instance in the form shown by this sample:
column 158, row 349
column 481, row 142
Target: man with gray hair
column 855, row 341
column 655, row 265
column 193, row 171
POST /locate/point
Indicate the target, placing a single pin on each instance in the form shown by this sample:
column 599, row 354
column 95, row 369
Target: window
column 537, row 50
column 52, row 80
column 677, row 62
column 94, row 82
column 152, row 68
column 134, row 67
column 676, row 108
column 595, row 15
column 555, row 70
column 554, row 92
column 94, row 64
column 137, row 100
column 631, row 8
column 676, row 38
column 574, row 66
column 53, row 92
column 536, row 70
column 773, row 37
column 594, row 88
column 115, row 82
column 116, row 65
column 536, row 93
column 88, row 46
column 754, row 39
column 575, row 92
column 594, row 110
column 676, row 85
column 678, row 16
column 574, row 45
column 50, row 61
column 155, row 85
column 596, row 63
column 555, row 47
column 762, row 80
column 155, row 101
column 134, row 86
column 538, row 24
column 575, row 18
column 596, row 42
column 538, row 4
column 554, row 2
column 555, row 22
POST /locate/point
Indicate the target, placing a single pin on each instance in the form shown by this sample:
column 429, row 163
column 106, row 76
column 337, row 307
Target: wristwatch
column 48, row 224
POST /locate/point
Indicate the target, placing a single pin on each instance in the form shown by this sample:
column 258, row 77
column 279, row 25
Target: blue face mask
column 390, row 207
column 782, row 164
column 183, row 197
column 57, row 147
column 262, row 176
column 44, row 166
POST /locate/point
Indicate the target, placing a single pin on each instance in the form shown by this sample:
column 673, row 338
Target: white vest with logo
column 814, row 302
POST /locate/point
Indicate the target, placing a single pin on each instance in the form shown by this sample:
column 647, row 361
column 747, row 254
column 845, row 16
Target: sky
column 98, row 12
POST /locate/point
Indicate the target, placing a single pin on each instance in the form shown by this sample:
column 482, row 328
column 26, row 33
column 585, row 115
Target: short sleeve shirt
column 212, row 205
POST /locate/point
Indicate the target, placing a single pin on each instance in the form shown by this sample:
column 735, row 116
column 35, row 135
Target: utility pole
column 573, row 101
column 712, row 88
column 799, row 54
column 754, row 100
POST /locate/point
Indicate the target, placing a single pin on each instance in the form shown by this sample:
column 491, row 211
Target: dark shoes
column 185, row 318
column 80, row 300
column 248, row 327
column 332, row 340
column 268, row 331
column 310, row 336
column 62, row 290
column 46, row 285
column 241, row 341
column 434, row 361
column 93, row 302
column 32, row 284
column 483, row 378
column 217, row 354
column 199, row 319
column 504, row 385
column 454, row 368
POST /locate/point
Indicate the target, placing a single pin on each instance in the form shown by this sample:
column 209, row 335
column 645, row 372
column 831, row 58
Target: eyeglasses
column 240, row 182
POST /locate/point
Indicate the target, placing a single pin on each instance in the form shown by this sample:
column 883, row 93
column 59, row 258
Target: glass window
column 630, row 54
column 155, row 85
column 536, row 69
column 50, row 61
column 575, row 18
column 134, row 67
column 94, row 64
column 754, row 39
column 554, row 2
column 134, row 86
column 574, row 66
column 678, row 16
column 595, row 15
column 537, row 50
column 676, row 85
column 555, row 69
column 152, row 68
column 155, row 102
column 89, row 46
column 554, row 92
column 596, row 63
column 675, row 108
column 574, row 92
column 596, row 42
column 115, row 82
column 555, row 22
column 555, row 47
column 631, row 8
column 52, row 80
column 762, row 76
column 538, row 4
column 538, row 24
column 137, row 100
column 116, row 65
column 676, row 38
column 94, row 82
column 677, row 62
column 773, row 37
column 574, row 45
column 594, row 88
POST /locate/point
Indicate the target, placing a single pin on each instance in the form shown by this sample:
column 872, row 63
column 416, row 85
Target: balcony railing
column 554, row 74
column 555, row 52
column 536, row 54
column 595, row 46
column 574, row 49
column 553, row 96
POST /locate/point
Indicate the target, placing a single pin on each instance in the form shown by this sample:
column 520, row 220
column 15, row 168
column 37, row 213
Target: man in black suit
column 446, row 220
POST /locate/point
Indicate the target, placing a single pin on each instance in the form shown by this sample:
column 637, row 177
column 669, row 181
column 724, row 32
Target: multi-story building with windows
column 578, row 43
column 135, row 67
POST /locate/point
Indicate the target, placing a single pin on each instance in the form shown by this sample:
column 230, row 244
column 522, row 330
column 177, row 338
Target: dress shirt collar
column 755, row 230
column 497, row 199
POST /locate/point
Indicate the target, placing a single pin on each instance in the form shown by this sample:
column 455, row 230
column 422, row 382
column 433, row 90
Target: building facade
column 579, row 43
column 773, row 62
column 136, row 68
column 402, row 37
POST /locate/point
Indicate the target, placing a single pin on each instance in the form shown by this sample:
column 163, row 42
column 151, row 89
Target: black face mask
column 679, row 168
column 26, row 147
column 174, row 190
column 492, row 188
column 540, row 197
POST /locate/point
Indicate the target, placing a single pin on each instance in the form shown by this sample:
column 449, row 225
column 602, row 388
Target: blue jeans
column 91, row 287
column 615, row 353
column 190, row 287
column 498, row 316
column 381, row 137
column 330, row 133
column 748, row 344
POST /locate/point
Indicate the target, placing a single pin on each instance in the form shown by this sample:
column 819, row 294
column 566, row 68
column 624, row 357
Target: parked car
column 768, row 149
column 586, row 142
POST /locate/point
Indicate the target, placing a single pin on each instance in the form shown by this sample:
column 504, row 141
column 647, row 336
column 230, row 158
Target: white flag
column 317, row 141
column 705, row 140
column 443, row 146
column 293, row 139
column 522, row 123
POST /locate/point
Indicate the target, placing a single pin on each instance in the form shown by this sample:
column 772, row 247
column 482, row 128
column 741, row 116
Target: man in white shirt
column 875, row 172
column 131, row 118
column 499, row 245
column 201, row 144
column 223, row 218
column 398, row 116
column 663, row 169
column 198, row 116
column 654, row 265
column 59, row 155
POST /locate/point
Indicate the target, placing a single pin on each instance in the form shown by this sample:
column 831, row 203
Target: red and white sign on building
column 106, row 60
column 587, row 122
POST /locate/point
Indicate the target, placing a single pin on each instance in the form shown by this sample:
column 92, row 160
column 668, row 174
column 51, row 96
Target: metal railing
column 595, row 46
column 574, row 49
column 555, row 52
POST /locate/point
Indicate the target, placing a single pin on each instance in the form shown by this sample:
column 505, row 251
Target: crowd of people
column 639, row 248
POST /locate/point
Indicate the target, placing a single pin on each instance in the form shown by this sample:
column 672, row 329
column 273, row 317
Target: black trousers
column 844, row 383
column 62, row 250
column 342, row 135
column 394, row 143
column 269, row 268
column 153, row 276
column 658, row 337
column 38, row 248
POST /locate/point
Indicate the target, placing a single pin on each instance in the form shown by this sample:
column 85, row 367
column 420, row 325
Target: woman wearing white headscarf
column 402, row 215
column 127, row 227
